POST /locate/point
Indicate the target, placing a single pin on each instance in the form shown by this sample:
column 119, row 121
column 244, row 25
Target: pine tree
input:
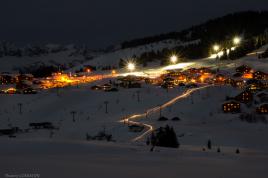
column 237, row 151
column 209, row 144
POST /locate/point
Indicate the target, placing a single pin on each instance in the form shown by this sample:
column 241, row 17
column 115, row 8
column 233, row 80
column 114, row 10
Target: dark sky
column 99, row 23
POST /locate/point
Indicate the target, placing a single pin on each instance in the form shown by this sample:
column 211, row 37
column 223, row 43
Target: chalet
column 244, row 97
column 153, row 81
column 204, row 70
column 254, row 87
column 112, row 90
column 25, row 77
column 219, row 78
column 262, row 109
column 192, row 71
column 169, row 80
column 231, row 107
column 96, row 87
column 29, row 91
column 88, row 68
column 11, row 91
column 247, row 76
column 237, row 75
column 168, row 83
column 23, row 85
column 173, row 74
column 106, row 87
column 6, row 78
column 238, row 83
column 259, row 75
column 229, row 81
column 243, row 69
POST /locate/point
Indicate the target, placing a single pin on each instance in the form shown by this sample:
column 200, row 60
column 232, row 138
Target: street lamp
column 216, row 48
column 131, row 66
column 173, row 59
column 237, row 40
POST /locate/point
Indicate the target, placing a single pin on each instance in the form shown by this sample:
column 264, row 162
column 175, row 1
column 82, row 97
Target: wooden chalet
column 231, row 107
column 244, row 97
column 262, row 109
column 259, row 75
column 243, row 69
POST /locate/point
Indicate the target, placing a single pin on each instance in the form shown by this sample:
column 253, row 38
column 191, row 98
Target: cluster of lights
column 218, row 50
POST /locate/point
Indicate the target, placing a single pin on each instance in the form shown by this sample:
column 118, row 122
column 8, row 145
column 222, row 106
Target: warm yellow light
column 174, row 59
column 220, row 54
column 237, row 40
column 131, row 66
column 216, row 48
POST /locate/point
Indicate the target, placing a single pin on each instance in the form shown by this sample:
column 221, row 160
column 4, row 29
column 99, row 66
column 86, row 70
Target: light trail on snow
column 150, row 128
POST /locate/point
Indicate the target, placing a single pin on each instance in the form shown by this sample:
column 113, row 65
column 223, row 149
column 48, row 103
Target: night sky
column 99, row 23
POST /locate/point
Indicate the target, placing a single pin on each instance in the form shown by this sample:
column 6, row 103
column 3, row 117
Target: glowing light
column 10, row 91
column 213, row 56
column 174, row 59
column 237, row 40
column 220, row 54
column 178, row 66
column 233, row 48
column 247, row 76
column 228, row 51
column 131, row 66
column 216, row 48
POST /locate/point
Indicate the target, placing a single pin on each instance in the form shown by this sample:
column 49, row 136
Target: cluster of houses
column 129, row 81
column 254, row 85
column 17, row 83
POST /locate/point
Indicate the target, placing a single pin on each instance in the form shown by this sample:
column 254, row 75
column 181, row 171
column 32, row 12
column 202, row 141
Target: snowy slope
column 112, row 58
column 66, row 153
column 82, row 159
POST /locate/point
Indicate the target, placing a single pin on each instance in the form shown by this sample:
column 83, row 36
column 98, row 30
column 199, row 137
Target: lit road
column 150, row 128
column 63, row 80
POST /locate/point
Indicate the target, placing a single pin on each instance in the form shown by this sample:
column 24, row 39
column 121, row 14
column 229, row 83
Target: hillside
column 193, row 43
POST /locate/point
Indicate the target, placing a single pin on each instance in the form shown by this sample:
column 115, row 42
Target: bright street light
column 216, row 48
column 131, row 66
column 174, row 59
column 237, row 40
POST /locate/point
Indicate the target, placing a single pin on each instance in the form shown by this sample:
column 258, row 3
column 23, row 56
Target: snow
column 66, row 153
column 98, row 160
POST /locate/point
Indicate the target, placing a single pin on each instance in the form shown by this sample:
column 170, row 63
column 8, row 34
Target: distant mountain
column 10, row 49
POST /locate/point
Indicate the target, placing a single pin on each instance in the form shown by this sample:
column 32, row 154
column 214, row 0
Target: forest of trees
column 248, row 23
column 252, row 25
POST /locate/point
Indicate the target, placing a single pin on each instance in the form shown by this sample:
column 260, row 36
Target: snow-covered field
column 67, row 153
column 101, row 160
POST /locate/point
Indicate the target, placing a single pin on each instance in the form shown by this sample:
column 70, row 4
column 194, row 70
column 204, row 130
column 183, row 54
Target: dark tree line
column 164, row 137
column 249, row 23
column 252, row 25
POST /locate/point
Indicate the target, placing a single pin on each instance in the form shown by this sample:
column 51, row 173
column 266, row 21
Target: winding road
column 150, row 128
